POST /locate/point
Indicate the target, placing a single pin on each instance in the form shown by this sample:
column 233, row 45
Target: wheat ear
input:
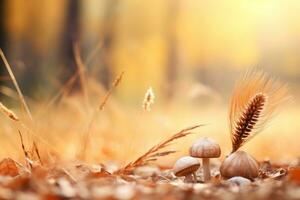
column 254, row 102
column 155, row 152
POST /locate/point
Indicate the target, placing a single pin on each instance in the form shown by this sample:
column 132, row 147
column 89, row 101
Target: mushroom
column 239, row 163
column 239, row 181
column 186, row 166
column 205, row 148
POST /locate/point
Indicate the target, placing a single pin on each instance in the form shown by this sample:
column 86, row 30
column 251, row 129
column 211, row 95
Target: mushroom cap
column 205, row 148
column 241, row 164
column 239, row 181
column 185, row 166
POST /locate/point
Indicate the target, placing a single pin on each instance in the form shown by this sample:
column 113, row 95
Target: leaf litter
column 76, row 180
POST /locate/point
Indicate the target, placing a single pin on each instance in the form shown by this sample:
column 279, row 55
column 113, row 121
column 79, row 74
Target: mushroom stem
column 206, row 169
column 189, row 178
column 195, row 177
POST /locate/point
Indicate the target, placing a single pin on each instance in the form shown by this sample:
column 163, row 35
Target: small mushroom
column 205, row 148
column 186, row 166
column 239, row 163
column 239, row 181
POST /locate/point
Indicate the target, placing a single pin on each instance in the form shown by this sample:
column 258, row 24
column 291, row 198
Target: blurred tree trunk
column 2, row 25
column 108, row 36
column 172, row 49
column 70, row 36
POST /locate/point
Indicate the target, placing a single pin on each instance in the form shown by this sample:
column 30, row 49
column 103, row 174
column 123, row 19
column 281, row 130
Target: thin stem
column 189, row 178
column 11, row 74
column 195, row 177
column 82, row 70
column 206, row 169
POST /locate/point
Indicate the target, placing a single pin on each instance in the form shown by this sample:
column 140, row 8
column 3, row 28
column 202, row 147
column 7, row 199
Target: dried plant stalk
column 8, row 92
column 27, row 157
column 63, row 91
column 11, row 74
column 153, row 153
column 255, row 101
column 248, row 120
column 37, row 152
column 9, row 113
column 149, row 99
column 86, row 139
column 81, row 69
column 114, row 85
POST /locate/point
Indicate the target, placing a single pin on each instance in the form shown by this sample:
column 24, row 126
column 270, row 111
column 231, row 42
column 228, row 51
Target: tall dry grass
column 119, row 134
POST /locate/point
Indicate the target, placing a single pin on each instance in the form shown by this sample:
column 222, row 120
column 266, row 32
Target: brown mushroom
column 241, row 164
column 205, row 148
column 186, row 166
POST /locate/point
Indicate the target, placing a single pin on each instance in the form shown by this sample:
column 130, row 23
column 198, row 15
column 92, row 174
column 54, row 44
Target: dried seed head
column 254, row 102
column 149, row 99
column 247, row 121
column 156, row 151
column 8, row 112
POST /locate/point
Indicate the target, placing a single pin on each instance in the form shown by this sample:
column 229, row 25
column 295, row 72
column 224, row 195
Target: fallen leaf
column 19, row 182
column 294, row 175
column 8, row 167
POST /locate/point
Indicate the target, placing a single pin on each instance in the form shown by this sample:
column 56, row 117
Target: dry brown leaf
column 8, row 167
column 18, row 183
column 39, row 172
column 294, row 175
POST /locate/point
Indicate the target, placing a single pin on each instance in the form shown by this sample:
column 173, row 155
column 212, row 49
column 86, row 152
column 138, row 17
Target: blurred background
column 190, row 53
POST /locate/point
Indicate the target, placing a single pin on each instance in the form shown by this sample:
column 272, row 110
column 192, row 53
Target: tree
column 172, row 49
column 69, row 38
column 108, row 36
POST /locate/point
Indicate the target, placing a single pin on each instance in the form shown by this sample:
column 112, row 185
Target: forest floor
column 77, row 180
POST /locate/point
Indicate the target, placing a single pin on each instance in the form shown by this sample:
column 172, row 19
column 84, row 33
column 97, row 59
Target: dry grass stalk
column 22, row 99
column 93, row 53
column 9, row 92
column 39, row 138
column 9, row 113
column 37, row 152
column 153, row 153
column 81, row 69
column 64, row 90
column 86, row 138
column 109, row 92
column 11, row 74
column 27, row 157
column 255, row 101
column 149, row 99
